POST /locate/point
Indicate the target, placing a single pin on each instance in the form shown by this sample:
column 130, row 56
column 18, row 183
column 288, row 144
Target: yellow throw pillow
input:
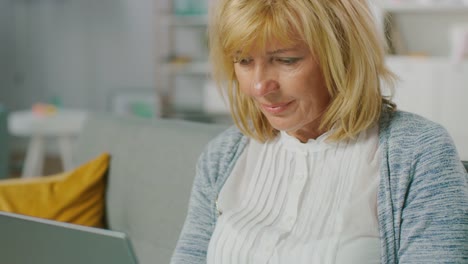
column 75, row 197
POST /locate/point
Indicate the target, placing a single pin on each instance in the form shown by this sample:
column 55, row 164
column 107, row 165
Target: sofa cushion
column 150, row 178
column 75, row 197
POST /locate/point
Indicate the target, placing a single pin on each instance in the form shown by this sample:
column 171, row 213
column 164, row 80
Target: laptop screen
column 30, row 240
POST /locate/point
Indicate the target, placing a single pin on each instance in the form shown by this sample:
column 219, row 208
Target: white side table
column 61, row 126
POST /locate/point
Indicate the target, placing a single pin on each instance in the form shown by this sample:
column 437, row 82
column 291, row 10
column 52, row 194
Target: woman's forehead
column 272, row 47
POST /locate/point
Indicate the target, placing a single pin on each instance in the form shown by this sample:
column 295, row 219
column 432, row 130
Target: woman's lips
column 276, row 108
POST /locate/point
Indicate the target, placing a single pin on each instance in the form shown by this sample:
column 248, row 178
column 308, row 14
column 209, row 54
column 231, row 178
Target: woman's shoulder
column 221, row 153
column 227, row 141
column 408, row 137
column 410, row 127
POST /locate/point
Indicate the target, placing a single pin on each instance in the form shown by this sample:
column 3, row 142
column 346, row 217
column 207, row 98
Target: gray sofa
column 151, row 173
column 150, row 177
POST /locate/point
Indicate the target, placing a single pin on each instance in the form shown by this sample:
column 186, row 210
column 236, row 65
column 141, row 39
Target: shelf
column 430, row 60
column 183, row 65
column 424, row 8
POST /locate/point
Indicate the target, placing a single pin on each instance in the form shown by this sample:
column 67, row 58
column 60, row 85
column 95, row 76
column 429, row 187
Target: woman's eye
column 243, row 61
column 287, row 61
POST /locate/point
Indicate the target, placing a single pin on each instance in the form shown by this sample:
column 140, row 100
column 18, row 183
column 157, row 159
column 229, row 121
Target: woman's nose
column 264, row 82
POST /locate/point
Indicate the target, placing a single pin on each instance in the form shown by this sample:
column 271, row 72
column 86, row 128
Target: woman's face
column 287, row 85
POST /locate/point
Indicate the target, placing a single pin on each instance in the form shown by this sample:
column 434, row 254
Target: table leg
column 65, row 146
column 34, row 159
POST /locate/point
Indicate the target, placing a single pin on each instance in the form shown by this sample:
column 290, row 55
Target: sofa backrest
column 4, row 139
column 150, row 178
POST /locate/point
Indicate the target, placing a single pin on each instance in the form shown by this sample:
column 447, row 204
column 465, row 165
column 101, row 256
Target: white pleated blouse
column 292, row 202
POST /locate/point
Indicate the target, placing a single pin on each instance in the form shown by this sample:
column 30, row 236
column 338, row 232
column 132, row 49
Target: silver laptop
column 30, row 240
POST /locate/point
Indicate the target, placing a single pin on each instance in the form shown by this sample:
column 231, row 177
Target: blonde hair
column 341, row 34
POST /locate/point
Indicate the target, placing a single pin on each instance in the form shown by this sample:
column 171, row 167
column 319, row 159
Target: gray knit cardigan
column 422, row 196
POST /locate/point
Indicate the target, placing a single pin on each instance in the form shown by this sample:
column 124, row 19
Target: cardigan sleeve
column 434, row 218
column 213, row 168
column 193, row 241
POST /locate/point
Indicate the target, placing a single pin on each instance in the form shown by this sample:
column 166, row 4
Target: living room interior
column 144, row 63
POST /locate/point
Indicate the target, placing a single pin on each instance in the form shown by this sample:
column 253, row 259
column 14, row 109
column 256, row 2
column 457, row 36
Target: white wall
column 80, row 51
column 428, row 33
column 436, row 89
column 6, row 50
column 122, row 35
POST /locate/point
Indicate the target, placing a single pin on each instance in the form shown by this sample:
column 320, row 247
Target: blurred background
column 148, row 58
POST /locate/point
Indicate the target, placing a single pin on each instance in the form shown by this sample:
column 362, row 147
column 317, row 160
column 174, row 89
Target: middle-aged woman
column 321, row 167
